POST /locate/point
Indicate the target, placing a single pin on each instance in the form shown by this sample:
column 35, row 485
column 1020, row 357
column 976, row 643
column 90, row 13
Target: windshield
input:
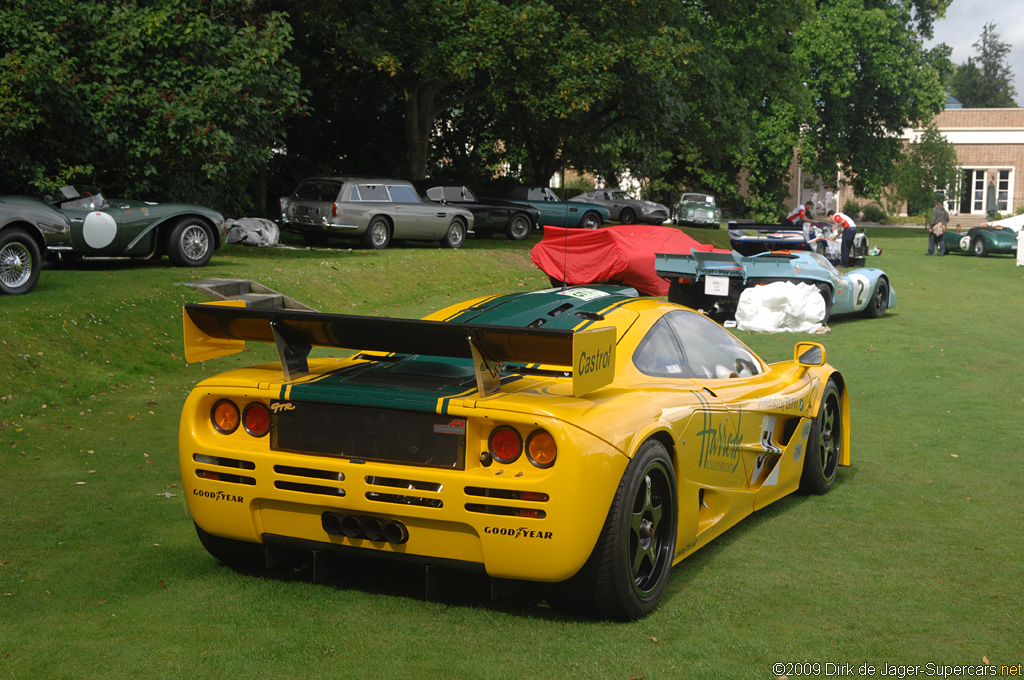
column 621, row 196
column 699, row 198
column 77, row 197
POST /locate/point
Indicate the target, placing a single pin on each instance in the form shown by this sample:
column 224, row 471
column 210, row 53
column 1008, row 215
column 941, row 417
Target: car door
column 95, row 229
column 415, row 218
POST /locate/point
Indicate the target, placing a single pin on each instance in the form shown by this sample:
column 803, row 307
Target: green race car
column 983, row 241
column 119, row 227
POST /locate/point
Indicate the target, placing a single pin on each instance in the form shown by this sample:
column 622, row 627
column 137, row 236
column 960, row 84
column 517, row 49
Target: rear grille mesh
column 369, row 434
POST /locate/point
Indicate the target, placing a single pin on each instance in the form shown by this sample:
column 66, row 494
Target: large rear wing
column 698, row 263
column 217, row 329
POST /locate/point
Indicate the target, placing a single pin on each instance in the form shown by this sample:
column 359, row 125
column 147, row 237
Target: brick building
column 989, row 145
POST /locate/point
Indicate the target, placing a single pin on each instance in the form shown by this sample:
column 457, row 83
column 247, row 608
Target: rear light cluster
column 226, row 418
column 505, row 445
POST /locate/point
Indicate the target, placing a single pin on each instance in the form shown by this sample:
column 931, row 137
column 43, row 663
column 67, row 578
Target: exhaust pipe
column 331, row 522
column 395, row 532
column 371, row 528
column 352, row 526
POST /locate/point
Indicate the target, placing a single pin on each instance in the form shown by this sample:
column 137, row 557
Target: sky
column 964, row 22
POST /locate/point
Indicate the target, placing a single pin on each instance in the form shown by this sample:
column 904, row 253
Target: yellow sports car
column 584, row 437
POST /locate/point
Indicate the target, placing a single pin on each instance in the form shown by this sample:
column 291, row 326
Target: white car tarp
column 779, row 307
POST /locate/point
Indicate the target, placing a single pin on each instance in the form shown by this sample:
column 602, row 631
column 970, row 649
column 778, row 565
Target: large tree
column 870, row 78
column 161, row 99
column 985, row 82
column 927, row 168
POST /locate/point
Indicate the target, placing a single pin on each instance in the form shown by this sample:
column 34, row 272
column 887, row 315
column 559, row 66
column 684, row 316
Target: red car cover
column 623, row 254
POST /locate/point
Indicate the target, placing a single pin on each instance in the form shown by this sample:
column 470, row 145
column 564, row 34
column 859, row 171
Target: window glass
column 536, row 194
column 458, row 194
column 659, row 353
column 318, row 190
column 401, row 193
column 436, row 193
column 712, row 351
column 372, row 192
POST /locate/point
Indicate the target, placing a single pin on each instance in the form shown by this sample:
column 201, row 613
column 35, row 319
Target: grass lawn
column 915, row 557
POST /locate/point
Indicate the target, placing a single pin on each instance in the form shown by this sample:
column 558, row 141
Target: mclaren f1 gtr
column 584, row 437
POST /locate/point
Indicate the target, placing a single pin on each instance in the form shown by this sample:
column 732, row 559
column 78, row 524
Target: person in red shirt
column 849, row 227
column 800, row 214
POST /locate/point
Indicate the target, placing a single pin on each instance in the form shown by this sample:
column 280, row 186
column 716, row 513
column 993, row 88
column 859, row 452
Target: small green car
column 697, row 210
column 983, row 241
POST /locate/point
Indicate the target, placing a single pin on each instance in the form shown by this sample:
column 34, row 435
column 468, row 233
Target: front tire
column 377, row 234
column 826, row 295
column 590, row 220
column 824, row 445
column 20, row 262
column 518, row 228
column 456, row 234
column 626, row 573
column 879, row 300
column 191, row 243
column 627, row 216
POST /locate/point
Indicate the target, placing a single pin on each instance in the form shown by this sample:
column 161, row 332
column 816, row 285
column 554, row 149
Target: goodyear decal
column 518, row 532
column 218, row 496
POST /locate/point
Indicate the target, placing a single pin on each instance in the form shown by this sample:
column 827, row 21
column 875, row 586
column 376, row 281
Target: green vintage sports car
column 120, row 227
column 697, row 210
column 982, row 241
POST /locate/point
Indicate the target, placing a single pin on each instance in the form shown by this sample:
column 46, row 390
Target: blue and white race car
column 712, row 282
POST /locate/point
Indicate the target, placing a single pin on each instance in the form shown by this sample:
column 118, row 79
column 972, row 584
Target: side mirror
column 809, row 354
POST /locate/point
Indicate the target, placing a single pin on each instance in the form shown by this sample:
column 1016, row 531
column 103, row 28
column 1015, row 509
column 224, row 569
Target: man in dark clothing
column 937, row 230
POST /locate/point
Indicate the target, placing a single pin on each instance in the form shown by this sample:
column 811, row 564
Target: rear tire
column 626, row 573
column 377, row 234
column 978, row 248
column 879, row 300
column 236, row 554
column 20, row 262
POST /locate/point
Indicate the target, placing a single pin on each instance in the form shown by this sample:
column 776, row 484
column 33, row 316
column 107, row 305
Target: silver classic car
column 371, row 209
column 624, row 208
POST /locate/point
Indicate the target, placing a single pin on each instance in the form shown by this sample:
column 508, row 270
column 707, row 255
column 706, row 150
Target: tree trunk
column 420, row 112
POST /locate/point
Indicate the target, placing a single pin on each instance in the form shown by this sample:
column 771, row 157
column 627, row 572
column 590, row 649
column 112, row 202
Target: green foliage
column 985, row 82
column 851, row 207
column 870, row 78
column 169, row 100
column 928, row 166
column 873, row 213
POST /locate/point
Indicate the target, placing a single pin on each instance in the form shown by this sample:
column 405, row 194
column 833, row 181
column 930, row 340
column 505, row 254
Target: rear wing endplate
column 216, row 329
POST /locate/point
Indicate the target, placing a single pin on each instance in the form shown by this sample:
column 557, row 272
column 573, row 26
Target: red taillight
column 334, row 209
column 685, row 279
column 224, row 416
column 541, row 449
column 505, row 444
column 256, row 419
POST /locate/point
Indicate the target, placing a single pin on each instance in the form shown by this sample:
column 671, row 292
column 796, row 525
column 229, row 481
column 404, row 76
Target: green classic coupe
column 983, row 241
column 119, row 227
column 697, row 210
column 555, row 212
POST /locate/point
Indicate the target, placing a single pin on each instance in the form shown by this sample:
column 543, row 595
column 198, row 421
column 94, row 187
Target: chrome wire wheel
column 15, row 265
column 195, row 242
